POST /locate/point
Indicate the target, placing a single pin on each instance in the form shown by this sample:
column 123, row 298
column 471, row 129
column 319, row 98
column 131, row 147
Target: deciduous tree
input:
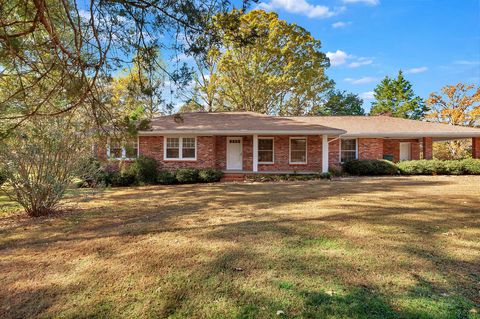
column 264, row 65
column 457, row 104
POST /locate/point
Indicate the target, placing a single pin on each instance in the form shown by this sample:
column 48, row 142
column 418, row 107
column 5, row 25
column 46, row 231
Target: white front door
column 234, row 153
column 405, row 151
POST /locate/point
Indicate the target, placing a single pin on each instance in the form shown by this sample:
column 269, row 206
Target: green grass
column 406, row 248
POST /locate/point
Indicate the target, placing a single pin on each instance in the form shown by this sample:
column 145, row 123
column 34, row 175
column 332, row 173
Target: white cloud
column 364, row 80
column 340, row 24
column 340, row 57
column 416, row 70
column 466, row 62
column 369, row 2
column 300, row 7
column 360, row 62
column 367, row 95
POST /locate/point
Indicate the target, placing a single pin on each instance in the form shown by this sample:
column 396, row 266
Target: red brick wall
column 153, row 146
column 334, row 152
column 476, row 147
column 281, row 150
column 392, row 147
column 370, row 148
column 247, row 153
column 427, row 148
column 221, row 152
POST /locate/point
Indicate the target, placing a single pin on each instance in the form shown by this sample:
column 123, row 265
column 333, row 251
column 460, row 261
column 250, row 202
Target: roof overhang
column 242, row 132
column 406, row 135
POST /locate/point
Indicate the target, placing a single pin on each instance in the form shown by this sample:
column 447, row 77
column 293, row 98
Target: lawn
column 402, row 247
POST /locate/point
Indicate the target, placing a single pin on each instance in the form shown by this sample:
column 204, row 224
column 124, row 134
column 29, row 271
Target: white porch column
column 255, row 153
column 324, row 153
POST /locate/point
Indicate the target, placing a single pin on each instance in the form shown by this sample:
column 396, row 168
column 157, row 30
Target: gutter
column 242, row 132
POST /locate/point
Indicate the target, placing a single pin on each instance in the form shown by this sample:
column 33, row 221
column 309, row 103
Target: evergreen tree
column 396, row 97
column 340, row 103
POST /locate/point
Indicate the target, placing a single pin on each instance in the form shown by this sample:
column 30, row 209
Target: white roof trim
column 415, row 135
column 241, row 132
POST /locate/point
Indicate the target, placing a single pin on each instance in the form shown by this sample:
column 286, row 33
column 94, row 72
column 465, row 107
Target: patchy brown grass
column 352, row 248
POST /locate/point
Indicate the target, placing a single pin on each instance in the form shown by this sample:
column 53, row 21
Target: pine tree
column 396, row 97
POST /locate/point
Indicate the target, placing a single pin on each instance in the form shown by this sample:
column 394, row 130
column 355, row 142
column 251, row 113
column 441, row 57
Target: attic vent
column 177, row 118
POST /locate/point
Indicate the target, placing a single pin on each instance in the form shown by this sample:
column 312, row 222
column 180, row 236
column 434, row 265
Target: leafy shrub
column 209, row 175
column 438, row 167
column 123, row 178
column 370, row 167
column 166, row 178
column 471, row 166
column 336, row 170
column 327, row 175
column 145, row 170
column 112, row 175
column 187, row 175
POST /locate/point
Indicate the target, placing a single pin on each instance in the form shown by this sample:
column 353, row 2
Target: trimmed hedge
column 370, row 167
column 438, row 167
column 145, row 170
column 187, row 175
column 210, row 175
column 166, row 178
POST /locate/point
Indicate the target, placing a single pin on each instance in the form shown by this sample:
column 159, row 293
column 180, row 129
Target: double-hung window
column 180, row 148
column 120, row 150
column 265, row 150
column 348, row 149
column 298, row 150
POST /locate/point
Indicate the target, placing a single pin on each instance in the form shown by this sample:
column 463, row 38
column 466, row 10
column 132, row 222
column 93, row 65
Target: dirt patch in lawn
column 404, row 247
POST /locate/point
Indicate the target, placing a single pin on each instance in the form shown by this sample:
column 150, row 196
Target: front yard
column 353, row 248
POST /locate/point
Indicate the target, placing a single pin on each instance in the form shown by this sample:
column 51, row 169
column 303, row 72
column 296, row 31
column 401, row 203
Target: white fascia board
column 415, row 135
column 241, row 132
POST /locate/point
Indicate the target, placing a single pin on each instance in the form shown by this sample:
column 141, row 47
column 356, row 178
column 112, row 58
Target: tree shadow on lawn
column 142, row 210
column 340, row 262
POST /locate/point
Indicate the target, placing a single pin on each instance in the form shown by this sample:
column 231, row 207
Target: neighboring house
column 248, row 142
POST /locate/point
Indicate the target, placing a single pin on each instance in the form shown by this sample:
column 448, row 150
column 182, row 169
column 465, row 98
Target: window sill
column 297, row 163
column 122, row 159
column 266, row 163
column 180, row 159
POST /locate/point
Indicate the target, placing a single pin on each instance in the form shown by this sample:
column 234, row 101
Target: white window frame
column 290, row 149
column 273, row 149
column 180, row 149
column 124, row 152
column 340, row 150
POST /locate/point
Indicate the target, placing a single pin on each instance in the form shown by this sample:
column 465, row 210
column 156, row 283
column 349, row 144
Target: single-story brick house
column 248, row 142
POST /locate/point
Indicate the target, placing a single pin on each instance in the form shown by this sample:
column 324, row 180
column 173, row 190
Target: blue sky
column 435, row 42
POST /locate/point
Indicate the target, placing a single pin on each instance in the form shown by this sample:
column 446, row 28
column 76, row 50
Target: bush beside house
column 370, row 167
column 439, row 167
column 144, row 171
column 418, row 167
